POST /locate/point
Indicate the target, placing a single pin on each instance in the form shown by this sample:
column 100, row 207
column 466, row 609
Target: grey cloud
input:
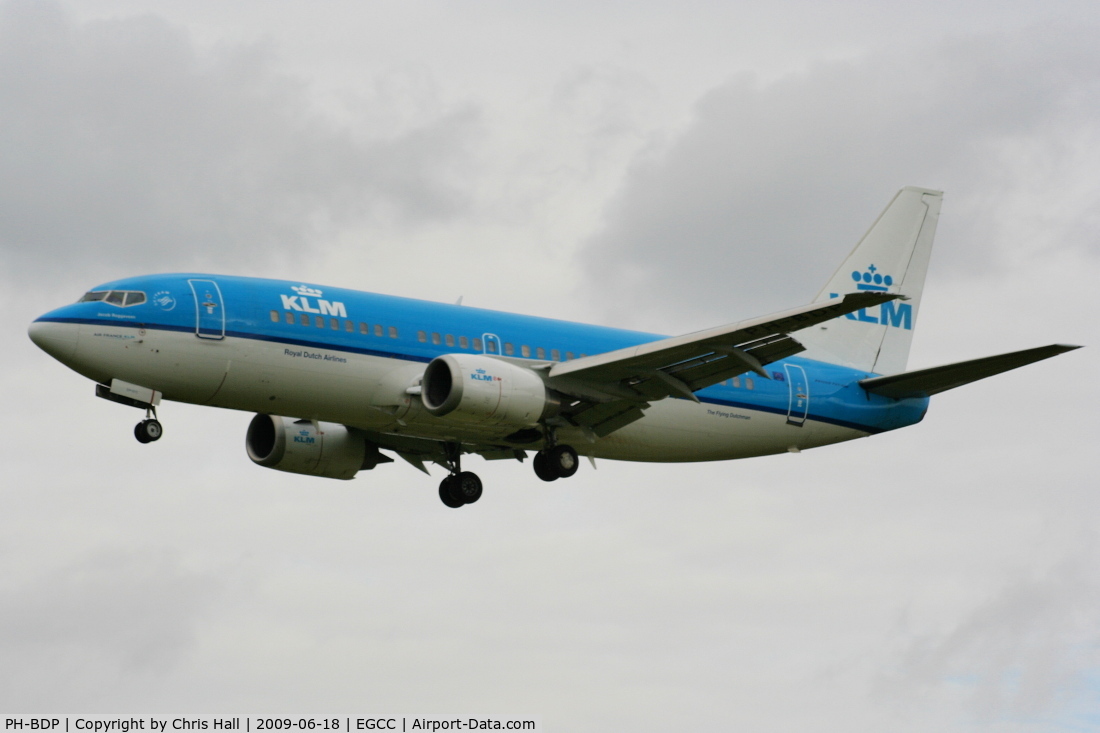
column 124, row 140
column 755, row 204
column 1020, row 650
column 113, row 613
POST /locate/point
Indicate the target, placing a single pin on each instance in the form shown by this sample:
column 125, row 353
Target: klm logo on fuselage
column 301, row 302
column 892, row 313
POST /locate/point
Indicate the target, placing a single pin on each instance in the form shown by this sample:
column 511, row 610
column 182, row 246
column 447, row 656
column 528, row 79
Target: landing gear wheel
column 147, row 431
column 448, row 493
column 543, row 469
column 467, row 487
column 563, row 460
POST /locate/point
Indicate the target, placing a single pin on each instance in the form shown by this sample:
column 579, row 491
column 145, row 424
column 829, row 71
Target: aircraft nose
column 56, row 339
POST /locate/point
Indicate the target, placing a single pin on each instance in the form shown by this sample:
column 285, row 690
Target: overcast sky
column 660, row 166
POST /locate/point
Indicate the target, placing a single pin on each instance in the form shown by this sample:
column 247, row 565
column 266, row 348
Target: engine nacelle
column 296, row 446
column 476, row 389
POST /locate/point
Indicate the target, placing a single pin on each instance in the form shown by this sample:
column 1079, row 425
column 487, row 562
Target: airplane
column 337, row 376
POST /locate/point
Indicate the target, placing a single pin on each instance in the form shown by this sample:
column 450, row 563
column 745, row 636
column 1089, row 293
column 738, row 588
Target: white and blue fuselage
column 344, row 356
column 337, row 376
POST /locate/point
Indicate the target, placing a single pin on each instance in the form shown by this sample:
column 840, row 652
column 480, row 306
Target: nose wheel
column 149, row 429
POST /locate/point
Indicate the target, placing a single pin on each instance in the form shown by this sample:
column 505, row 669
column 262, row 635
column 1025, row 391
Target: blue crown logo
column 872, row 280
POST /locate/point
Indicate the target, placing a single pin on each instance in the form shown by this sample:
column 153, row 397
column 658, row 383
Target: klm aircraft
column 339, row 378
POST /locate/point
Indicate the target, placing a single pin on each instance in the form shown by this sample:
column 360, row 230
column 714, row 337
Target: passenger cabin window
column 569, row 356
column 334, row 324
column 319, row 321
column 509, row 350
column 748, row 383
column 736, row 382
column 349, row 326
column 377, row 329
column 463, row 342
column 540, row 353
column 435, row 339
column 364, row 328
column 290, row 317
column 450, row 340
column 477, row 344
column 393, row 332
column 422, row 337
column 275, row 316
column 303, row 318
column 491, row 347
column 555, row 355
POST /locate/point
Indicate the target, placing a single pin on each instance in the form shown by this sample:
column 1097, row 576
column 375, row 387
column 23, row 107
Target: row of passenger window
column 335, row 324
column 492, row 346
column 437, row 339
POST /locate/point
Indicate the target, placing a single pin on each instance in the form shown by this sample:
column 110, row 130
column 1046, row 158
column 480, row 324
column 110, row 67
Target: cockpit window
column 122, row 298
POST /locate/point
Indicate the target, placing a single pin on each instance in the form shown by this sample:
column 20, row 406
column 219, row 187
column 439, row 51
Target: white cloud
column 126, row 142
column 752, row 207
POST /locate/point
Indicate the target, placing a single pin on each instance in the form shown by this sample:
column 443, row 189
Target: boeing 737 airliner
column 337, row 376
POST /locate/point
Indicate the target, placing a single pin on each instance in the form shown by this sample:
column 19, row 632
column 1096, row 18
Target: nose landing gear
column 149, row 429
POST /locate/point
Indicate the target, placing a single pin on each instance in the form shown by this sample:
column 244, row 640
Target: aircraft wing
column 613, row 388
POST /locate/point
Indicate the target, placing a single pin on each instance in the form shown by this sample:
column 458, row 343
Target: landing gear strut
column 461, row 487
column 149, row 429
column 558, row 461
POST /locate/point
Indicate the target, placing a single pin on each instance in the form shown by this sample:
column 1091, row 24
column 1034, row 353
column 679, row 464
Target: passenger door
column 209, row 309
column 799, row 390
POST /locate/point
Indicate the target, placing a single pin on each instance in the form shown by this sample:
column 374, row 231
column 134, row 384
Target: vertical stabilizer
column 892, row 257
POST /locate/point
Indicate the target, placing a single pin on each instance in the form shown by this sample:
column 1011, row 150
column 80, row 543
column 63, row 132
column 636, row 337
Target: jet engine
column 476, row 389
column 315, row 449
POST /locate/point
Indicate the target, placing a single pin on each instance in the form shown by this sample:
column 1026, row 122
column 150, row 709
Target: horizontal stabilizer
column 926, row 382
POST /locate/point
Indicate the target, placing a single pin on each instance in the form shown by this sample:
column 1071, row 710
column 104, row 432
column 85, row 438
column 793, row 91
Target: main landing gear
column 149, row 429
column 561, row 461
column 461, row 487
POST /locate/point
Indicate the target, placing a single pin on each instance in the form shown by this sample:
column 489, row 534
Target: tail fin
column 892, row 257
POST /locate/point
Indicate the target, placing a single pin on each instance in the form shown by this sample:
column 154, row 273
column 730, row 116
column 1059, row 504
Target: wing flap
column 607, row 417
column 927, row 382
